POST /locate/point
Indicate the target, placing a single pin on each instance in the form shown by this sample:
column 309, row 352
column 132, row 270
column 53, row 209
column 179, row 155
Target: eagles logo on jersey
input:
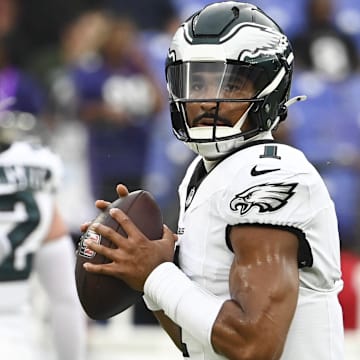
column 267, row 197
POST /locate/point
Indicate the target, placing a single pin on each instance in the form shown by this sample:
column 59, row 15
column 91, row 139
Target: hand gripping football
column 104, row 296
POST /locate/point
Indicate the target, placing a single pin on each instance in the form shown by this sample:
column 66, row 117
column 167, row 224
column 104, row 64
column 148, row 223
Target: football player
column 34, row 240
column 257, row 271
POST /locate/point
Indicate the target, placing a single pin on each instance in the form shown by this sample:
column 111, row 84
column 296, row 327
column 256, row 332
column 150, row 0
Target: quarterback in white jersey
column 271, row 185
column 256, row 271
column 34, row 240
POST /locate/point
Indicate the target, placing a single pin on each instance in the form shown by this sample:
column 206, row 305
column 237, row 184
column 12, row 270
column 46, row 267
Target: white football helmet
column 229, row 39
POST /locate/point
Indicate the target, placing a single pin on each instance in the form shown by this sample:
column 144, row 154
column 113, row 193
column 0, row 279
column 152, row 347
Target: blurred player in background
column 258, row 249
column 34, row 240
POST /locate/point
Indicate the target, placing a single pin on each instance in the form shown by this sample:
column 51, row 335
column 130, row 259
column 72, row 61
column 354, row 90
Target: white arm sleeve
column 183, row 301
column 55, row 264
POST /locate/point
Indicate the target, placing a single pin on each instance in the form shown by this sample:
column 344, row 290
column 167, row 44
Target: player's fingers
column 122, row 190
column 84, row 226
column 169, row 235
column 105, row 269
column 101, row 204
column 126, row 223
column 100, row 249
column 110, row 234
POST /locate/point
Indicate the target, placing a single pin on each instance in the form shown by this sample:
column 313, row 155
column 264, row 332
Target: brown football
column 104, row 296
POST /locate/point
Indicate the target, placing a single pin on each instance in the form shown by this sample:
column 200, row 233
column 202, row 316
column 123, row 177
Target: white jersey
column 29, row 178
column 273, row 184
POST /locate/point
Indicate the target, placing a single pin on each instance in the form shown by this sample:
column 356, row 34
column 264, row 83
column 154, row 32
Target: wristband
column 150, row 304
column 194, row 309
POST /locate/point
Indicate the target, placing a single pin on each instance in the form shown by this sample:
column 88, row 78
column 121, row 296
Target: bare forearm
column 170, row 327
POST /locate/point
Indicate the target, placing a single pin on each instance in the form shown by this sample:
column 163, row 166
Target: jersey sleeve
column 281, row 198
column 284, row 200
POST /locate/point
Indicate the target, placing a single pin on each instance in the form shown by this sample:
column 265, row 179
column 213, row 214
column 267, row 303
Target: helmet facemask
column 211, row 84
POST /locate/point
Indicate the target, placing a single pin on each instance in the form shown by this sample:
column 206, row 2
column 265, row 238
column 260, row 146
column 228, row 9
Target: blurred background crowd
column 92, row 72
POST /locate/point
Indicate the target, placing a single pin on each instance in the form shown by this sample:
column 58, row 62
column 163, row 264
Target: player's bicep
column 264, row 289
column 264, row 274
